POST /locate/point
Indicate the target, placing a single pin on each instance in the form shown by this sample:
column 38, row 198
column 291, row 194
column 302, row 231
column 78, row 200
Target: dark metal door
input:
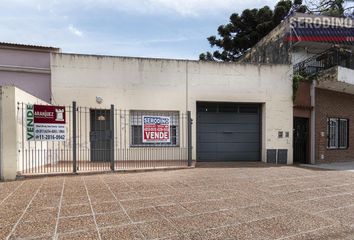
column 100, row 135
column 301, row 135
column 228, row 132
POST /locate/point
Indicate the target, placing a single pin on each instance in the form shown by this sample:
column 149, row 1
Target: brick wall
column 333, row 104
column 302, row 103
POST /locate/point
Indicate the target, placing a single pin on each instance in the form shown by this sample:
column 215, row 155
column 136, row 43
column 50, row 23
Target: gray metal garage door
column 228, row 132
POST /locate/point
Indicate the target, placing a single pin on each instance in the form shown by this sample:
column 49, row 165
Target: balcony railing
column 325, row 60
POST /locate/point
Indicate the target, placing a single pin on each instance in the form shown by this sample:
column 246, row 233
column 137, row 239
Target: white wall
column 11, row 124
column 155, row 84
column 300, row 54
column 345, row 75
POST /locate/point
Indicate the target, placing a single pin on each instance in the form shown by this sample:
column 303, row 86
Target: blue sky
column 146, row 28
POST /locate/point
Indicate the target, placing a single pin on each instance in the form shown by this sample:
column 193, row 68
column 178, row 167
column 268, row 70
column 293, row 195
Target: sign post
column 45, row 123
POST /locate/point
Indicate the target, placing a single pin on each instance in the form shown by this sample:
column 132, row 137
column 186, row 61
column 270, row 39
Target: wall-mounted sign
column 156, row 129
column 45, row 123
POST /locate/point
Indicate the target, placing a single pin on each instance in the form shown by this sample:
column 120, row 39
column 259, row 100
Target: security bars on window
column 136, row 128
column 337, row 133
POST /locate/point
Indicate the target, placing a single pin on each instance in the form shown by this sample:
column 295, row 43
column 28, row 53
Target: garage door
column 228, row 132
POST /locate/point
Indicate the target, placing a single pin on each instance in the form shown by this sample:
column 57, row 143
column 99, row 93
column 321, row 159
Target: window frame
column 337, row 134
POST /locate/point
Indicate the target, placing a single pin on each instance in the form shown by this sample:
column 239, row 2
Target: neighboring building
column 321, row 50
column 26, row 67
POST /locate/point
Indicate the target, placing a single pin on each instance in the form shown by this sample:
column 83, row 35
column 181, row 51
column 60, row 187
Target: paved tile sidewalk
column 238, row 201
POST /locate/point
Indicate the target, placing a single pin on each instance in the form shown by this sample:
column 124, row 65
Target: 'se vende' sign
column 45, row 123
column 156, row 129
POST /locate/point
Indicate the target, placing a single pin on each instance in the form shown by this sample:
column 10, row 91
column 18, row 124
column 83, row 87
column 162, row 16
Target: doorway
column 228, row 132
column 100, row 135
column 301, row 140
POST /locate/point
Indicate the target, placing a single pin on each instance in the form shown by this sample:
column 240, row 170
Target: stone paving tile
column 89, row 235
column 324, row 204
column 33, row 229
column 73, row 200
column 5, row 230
column 45, row 202
column 177, row 237
column 335, row 232
column 201, row 221
column 122, row 233
column 45, row 214
column 235, row 201
column 112, row 219
column 153, row 193
column 344, row 215
column 9, row 216
column 71, row 224
column 240, row 232
column 144, row 214
column 106, row 207
column 147, row 202
column 174, row 210
column 137, row 203
column 75, row 210
column 157, row 229
column 287, row 225
column 253, row 213
column 125, row 195
column 123, row 190
column 245, row 231
column 101, row 198
column 206, row 206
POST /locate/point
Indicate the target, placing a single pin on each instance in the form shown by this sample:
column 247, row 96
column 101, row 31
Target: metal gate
column 301, row 135
column 228, row 132
column 104, row 140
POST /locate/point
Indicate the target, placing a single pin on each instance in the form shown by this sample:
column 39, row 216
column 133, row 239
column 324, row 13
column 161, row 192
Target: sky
column 138, row 28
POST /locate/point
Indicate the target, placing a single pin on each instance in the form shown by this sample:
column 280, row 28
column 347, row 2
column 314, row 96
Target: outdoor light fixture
column 99, row 100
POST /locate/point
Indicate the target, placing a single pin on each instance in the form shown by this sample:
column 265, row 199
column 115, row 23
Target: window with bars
column 136, row 123
column 337, row 132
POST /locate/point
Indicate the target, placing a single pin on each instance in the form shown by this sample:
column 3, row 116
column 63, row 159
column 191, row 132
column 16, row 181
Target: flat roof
column 28, row 46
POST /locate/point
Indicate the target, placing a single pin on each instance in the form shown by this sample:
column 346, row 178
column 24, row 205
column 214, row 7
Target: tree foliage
column 334, row 8
column 245, row 30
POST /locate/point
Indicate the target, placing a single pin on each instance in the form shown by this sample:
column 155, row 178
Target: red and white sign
column 45, row 123
column 156, row 129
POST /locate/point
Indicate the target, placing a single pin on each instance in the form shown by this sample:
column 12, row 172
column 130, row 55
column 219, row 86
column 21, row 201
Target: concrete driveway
column 231, row 201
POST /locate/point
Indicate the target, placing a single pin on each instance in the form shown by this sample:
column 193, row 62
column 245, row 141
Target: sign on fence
column 45, row 123
column 156, row 129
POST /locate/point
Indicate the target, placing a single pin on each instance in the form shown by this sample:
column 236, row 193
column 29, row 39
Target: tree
column 334, row 8
column 245, row 30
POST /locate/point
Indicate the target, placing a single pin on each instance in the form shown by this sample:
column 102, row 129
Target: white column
column 8, row 133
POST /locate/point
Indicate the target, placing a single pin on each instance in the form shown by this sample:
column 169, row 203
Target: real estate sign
column 45, row 123
column 156, row 129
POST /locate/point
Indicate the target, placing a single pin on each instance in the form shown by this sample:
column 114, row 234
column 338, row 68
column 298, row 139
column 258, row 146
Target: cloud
column 75, row 31
column 152, row 28
column 181, row 7
column 189, row 8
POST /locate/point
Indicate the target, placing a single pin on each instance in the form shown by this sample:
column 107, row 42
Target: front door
column 301, row 135
column 100, row 135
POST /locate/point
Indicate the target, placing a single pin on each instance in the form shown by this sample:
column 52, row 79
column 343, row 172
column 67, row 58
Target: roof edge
column 28, row 47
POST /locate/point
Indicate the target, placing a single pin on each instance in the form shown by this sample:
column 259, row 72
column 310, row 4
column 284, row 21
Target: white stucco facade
column 177, row 85
column 11, row 128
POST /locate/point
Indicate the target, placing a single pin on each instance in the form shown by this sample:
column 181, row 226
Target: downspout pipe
column 313, row 122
